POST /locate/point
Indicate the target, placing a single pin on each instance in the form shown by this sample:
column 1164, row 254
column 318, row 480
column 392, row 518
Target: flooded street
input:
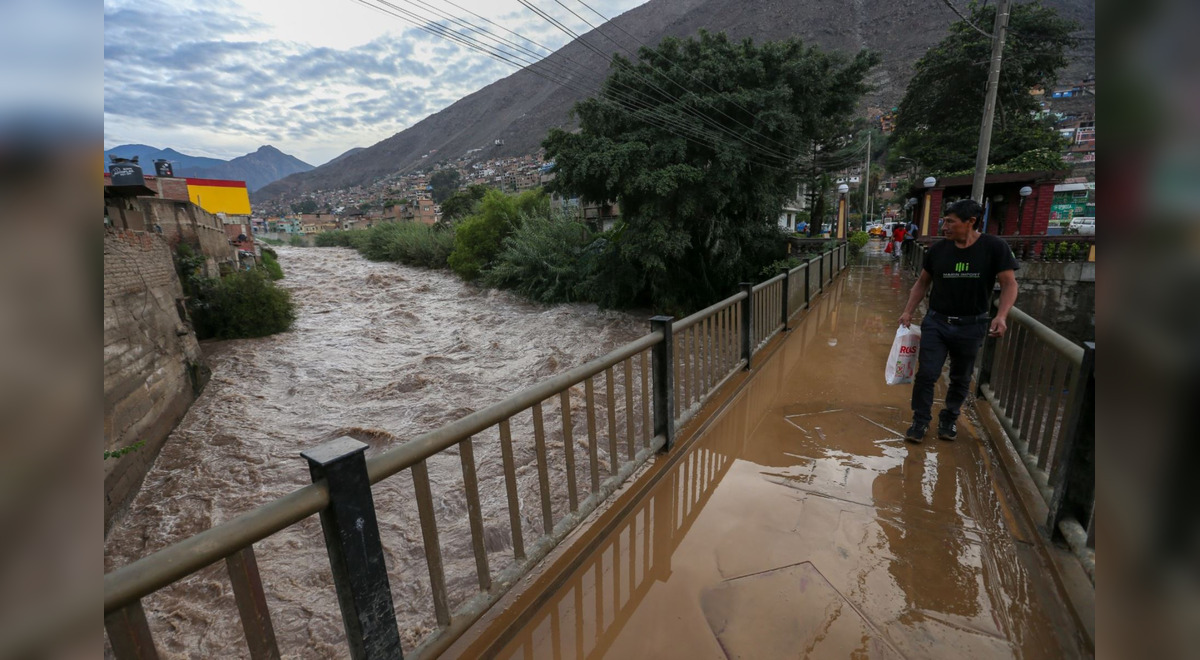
column 383, row 353
column 801, row 524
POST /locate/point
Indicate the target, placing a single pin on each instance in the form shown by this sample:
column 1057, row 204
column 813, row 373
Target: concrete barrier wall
column 1061, row 295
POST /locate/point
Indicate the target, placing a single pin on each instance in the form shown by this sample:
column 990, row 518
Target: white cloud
column 313, row 78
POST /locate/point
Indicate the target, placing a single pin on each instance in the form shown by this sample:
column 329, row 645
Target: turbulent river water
column 381, row 352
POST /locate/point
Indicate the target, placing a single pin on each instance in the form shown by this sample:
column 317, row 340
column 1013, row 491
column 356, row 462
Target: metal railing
column 708, row 352
column 620, row 573
column 768, row 317
column 1060, row 248
column 1052, row 248
column 1042, row 387
column 682, row 362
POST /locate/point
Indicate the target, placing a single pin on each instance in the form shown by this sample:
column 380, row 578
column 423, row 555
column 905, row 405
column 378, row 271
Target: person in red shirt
column 897, row 239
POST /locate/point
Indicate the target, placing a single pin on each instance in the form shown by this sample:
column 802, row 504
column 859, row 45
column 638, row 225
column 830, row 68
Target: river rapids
column 381, row 352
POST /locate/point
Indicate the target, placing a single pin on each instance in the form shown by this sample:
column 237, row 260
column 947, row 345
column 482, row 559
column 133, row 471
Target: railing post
column 129, row 633
column 807, row 282
column 747, row 308
column 1074, row 475
column 988, row 353
column 786, row 298
column 662, row 358
column 355, row 551
column 821, row 273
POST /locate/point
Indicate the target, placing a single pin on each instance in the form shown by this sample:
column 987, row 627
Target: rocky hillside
column 520, row 109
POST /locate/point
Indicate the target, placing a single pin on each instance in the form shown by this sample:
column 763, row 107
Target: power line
column 653, row 116
column 663, row 74
column 967, row 20
column 785, row 158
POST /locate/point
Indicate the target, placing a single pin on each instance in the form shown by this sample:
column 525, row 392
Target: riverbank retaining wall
column 153, row 365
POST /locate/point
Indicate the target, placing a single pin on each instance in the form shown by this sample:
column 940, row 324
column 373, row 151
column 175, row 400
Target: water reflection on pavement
column 800, row 524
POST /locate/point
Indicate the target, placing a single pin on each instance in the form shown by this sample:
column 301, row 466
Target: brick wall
column 150, row 356
column 1035, row 218
column 172, row 188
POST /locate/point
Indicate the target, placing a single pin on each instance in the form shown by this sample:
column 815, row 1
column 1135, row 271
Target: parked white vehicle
column 1083, row 225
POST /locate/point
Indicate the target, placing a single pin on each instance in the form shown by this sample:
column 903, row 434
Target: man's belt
column 959, row 320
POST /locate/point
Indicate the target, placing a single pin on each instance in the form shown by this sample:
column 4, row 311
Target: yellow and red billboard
column 220, row 196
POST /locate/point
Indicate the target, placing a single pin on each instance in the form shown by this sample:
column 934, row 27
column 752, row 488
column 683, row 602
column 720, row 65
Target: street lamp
column 840, row 230
column 1025, row 191
column 929, row 182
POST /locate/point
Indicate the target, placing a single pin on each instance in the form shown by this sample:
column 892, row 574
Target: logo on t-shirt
column 961, row 269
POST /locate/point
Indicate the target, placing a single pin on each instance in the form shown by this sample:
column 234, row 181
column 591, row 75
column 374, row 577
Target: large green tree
column 938, row 120
column 700, row 142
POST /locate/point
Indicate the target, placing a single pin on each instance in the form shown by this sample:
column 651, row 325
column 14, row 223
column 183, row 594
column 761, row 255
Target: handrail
column 688, row 321
column 418, row 449
column 155, row 571
column 762, row 285
column 1041, row 388
column 1069, row 349
column 130, row 582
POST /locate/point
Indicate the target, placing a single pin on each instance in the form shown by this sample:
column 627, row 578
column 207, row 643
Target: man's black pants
column 939, row 339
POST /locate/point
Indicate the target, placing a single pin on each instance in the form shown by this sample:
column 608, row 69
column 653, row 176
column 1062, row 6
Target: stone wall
column 152, row 361
column 1061, row 295
column 184, row 222
column 177, row 222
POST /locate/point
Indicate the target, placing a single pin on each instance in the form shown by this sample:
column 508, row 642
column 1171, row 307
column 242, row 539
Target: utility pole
column 866, row 184
column 989, row 103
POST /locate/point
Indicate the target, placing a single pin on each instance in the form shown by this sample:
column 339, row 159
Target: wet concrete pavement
column 800, row 524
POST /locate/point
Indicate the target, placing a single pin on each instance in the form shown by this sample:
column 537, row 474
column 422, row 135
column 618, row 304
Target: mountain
column 147, row 155
column 520, row 109
column 257, row 169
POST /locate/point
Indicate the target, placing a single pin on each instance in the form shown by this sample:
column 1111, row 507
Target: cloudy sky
column 311, row 77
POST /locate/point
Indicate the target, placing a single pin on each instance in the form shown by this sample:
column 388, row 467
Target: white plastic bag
column 902, row 361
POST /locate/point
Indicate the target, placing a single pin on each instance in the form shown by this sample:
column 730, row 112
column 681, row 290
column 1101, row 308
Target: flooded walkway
column 800, row 524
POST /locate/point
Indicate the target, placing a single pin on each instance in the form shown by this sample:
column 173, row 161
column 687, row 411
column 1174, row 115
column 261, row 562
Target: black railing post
column 786, row 298
column 807, row 282
column 988, row 353
column 355, row 551
column 1074, row 476
column 747, row 308
column 821, row 273
column 662, row 358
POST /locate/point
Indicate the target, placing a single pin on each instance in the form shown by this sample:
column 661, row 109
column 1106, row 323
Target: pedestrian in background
column 962, row 271
column 898, row 233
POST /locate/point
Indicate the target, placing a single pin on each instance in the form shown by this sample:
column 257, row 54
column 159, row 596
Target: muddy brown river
column 381, row 352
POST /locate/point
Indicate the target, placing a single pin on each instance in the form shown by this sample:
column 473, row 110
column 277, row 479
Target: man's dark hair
column 965, row 210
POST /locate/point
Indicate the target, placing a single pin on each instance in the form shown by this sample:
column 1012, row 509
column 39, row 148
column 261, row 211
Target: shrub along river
column 381, row 352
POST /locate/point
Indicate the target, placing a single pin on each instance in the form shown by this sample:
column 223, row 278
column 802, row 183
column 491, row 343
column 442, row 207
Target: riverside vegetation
column 239, row 304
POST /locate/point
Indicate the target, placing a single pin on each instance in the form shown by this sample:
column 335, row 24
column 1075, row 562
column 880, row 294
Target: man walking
column 962, row 270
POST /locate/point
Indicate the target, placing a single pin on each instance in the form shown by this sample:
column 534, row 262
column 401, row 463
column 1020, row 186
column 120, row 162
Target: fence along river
column 380, row 352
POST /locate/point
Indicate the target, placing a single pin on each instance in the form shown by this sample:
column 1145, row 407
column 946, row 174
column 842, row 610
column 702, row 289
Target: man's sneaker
column 916, row 432
column 947, row 430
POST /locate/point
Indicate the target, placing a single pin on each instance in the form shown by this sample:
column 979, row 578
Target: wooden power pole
column 989, row 103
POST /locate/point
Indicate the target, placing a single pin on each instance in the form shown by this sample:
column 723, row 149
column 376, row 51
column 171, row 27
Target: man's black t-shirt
column 963, row 278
